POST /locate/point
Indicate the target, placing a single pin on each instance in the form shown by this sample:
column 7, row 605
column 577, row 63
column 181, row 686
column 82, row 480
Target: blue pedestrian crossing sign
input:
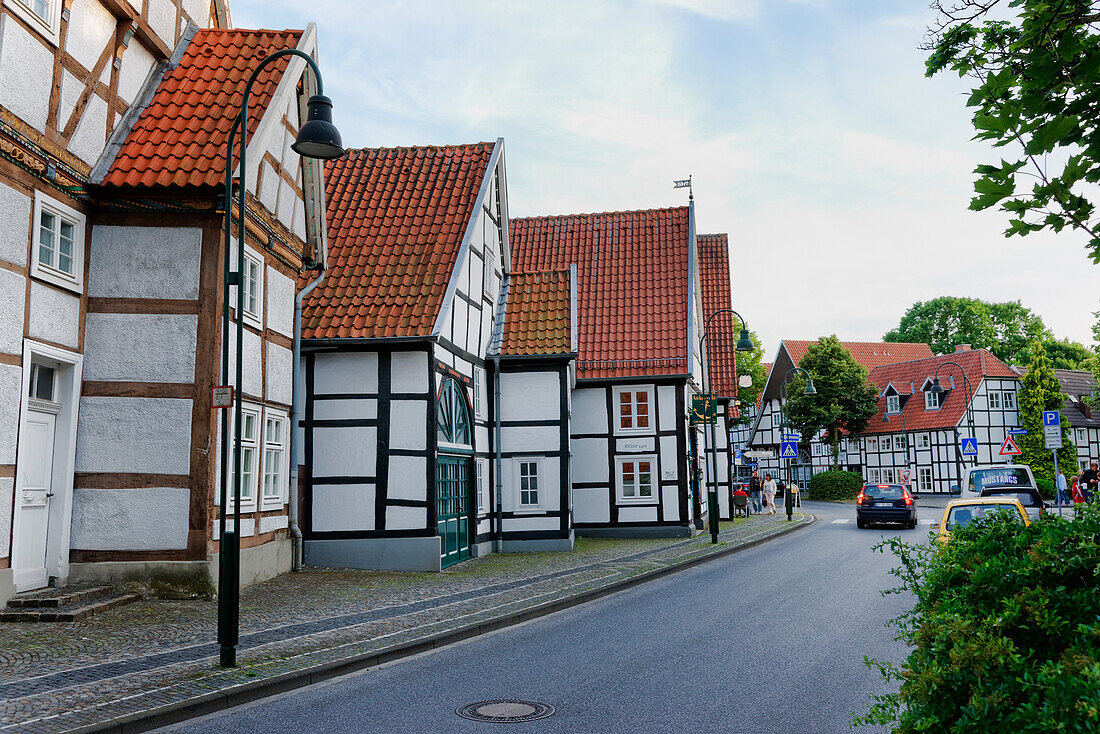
column 788, row 450
column 969, row 446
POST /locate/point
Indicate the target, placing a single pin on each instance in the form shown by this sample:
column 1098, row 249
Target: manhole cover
column 505, row 711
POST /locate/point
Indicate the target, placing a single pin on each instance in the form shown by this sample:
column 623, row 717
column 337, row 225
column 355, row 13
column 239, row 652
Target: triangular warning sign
column 789, row 451
column 1009, row 447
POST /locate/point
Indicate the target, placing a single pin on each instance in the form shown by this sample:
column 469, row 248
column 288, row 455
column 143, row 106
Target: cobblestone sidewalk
column 156, row 655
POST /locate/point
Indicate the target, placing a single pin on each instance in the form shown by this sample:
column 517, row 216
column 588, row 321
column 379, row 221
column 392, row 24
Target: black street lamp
column 788, row 501
column 317, row 138
column 744, row 344
column 937, row 390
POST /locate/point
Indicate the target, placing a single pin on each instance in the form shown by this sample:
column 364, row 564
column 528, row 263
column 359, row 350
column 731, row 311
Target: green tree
column 1039, row 391
column 1038, row 89
column 1064, row 354
column 1005, row 329
column 752, row 364
column 844, row 399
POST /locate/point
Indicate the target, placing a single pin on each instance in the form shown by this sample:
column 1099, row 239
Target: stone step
column 56, row 598
column 74, row 612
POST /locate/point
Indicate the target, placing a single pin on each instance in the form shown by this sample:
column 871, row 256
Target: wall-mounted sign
column 704, row 409
column 221, row 396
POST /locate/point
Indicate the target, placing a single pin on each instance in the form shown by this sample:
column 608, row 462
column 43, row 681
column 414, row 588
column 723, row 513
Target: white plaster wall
column 590, row 505
column 589, row 459
column 150, row 518
column 348, row 372
column 280, row 374
column 71, row 89
column 11, row 391
column 666, row 407
column 280, row 302
column 409, row 372
column 535, row 439
column 269, row 186
column 248, row 528
column 531, row 522
column 406, row 518
column 7, row 489
column 298, row 223
column 252, row 370
column 199, row 10
column 136, row 65
column 55, row 315
column 162, row 18
column 529, row 396
column 134, row 435
column 668, row 457
column 330, row 410
column 287, row 199
column 408, row 419
column 91, row 132
column 670, row 499
column 272, row 523
column 637, row 514
column 140, row 347
column 144, row 262
column 13, row 288
column 408, row 478
column 345, row 451
column 343, row 507
column 91, row 26
column 26, row 74
column 590, row 411
column 15, row 218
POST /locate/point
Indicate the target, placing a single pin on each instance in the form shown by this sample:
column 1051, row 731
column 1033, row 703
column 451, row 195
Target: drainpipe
column 498, row 460
column 295, row 411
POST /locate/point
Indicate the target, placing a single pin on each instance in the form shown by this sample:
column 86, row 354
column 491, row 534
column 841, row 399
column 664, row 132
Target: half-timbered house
column 113, row 121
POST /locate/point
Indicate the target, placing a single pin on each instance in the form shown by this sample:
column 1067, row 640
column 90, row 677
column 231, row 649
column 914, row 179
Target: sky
column 840, row 172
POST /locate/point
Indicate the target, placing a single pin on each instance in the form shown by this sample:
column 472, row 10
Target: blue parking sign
column 1051, row 418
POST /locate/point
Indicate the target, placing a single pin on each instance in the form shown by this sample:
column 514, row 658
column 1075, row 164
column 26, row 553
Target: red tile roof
column 536, row 317
column 180, row 137
column 868, row 354
column 977, row 363
column 396, row 219
column 632, row 285
column 714, row 272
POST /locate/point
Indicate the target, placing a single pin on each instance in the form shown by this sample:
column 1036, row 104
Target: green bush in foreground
column 1005, row 630
column 835, row 485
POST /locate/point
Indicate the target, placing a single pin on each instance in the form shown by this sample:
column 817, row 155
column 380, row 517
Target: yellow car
column 961, row 511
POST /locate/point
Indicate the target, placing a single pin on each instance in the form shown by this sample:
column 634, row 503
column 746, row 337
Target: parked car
column 961, row 511
column 1004, row 480
column 886, row 503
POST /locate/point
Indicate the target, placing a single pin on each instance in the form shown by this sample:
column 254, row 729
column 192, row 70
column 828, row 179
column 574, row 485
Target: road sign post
column 969, row 446
column 1052, row 439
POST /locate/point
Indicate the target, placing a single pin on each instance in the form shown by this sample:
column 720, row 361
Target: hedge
column 1005, row 631
column 834, row 485
column 1045, row 487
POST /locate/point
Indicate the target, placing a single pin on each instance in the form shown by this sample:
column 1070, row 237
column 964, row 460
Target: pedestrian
column 1077, row 493
column 754, row 489
column 1062, row 494
column 1089, row 479
column 769, row 493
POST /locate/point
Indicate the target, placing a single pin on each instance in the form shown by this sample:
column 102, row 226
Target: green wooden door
column 453, row 515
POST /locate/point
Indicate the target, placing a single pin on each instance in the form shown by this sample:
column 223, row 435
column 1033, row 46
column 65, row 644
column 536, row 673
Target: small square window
column 635, row 413
column 924, row 479
column 58, row 253
column 922, row 441
column 932, row 400
column 528, row 480
column 1009, row 400
column 42, row 382
column 872, row 444
column 886, row 444
column 893, row 404
column 994, row 400
column 635, row 478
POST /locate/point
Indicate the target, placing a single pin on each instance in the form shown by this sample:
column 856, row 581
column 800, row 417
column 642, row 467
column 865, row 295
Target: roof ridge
column 228, row 31
column 447, row 146
column 600, row 214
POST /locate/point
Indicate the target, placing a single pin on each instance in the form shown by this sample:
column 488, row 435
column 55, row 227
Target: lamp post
column 744, row 344
column 788, row 500
column 317, row 138
column 937, row 390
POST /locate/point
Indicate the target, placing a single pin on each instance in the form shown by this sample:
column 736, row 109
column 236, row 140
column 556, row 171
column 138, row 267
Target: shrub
column 1005, row 631
column 835, row 485
column 1046, row 488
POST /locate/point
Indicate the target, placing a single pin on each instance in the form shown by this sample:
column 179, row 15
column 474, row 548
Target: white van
column 1003, row 480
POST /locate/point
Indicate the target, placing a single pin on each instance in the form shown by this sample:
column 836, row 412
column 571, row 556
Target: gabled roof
column 868, row 354
column 179, row 139
column 976, row 364
column 632, row 285
column 1077, row 384
column 714, row 274
column 536, row 315
column 396, row 222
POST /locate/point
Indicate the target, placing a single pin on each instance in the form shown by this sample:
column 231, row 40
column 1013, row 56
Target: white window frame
column 1082, row 436
column 519, row 463
column 872, row 444
column 932, row 400
column 488, row 255
column 924, row 479
column 1009, row 400
column 254, row 317
column 51, row 274
column 923, row 441
column 248, row 501
column 50, row 27
column 994, row 399
column 481, row 467
column 617, row 415
column 886, row 443
column 893, row 404
column 638, row 497
column 889, row 475
column 279, row 449
column 479, row 386
column 874, row 476
column 1082, row 464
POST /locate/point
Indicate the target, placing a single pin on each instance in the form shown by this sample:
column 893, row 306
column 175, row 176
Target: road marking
column 926, row 522
column 841, row 520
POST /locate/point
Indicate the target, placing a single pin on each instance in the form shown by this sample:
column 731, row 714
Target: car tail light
column 859, row 500
column 908, row 497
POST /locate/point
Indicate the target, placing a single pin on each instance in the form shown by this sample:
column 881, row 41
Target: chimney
column 962, row 348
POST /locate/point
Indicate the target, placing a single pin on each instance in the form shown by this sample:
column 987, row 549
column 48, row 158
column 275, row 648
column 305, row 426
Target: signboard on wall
column 704, row 409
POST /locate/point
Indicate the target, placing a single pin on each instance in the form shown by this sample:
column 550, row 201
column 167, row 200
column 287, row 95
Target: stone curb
column 174, row 713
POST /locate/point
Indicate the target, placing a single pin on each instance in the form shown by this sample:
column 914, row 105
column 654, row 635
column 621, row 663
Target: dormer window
column 932, row 400
column 893, row 404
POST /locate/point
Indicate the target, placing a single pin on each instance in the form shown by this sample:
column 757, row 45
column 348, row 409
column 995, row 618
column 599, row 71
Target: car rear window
column 1002, row 477
column 962, row 515
column 883, row 491
column 1027, row 499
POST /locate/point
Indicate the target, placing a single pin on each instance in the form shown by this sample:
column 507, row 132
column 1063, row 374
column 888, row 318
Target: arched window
column 453, row 420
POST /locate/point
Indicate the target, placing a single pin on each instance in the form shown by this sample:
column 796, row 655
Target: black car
column 886, row 503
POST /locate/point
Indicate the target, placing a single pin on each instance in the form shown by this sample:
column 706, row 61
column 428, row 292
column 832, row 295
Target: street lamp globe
column 744, row 344
column 937, row 388
column 810, row 389
column 318, row 137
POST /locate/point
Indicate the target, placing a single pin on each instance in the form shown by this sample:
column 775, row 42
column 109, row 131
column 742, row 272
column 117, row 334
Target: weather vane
column 684, row 183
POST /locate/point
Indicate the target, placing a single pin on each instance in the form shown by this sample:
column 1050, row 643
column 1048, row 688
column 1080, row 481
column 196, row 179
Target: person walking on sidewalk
column 1062, row 493
column 754, row 490
column 769, row 493
column 1089, row 481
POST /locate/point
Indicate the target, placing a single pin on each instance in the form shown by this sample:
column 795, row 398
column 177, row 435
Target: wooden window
column 250, row 435
column 635, row 478
column 274, row 460
column 887, row 444
column 452, row 416
column 888, row 476
column 872, row 444
column 922, row 441
column 42, row 382
column 479, row 387
column 1082, row 436
column 932, row 400
column 874, row 476
column 481, row 467
column 527, row 480
column 994, row 400
column 1009, row 400
column 42, row 15
column 924, row 479
column 58, row 253
column 893, row 404
column 635, row 409
column 253, row 276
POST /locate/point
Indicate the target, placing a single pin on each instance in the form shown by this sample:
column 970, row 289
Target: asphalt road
column 769, row 640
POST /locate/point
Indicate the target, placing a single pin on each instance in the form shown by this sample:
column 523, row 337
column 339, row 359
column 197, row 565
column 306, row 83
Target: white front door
column 33, row 503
